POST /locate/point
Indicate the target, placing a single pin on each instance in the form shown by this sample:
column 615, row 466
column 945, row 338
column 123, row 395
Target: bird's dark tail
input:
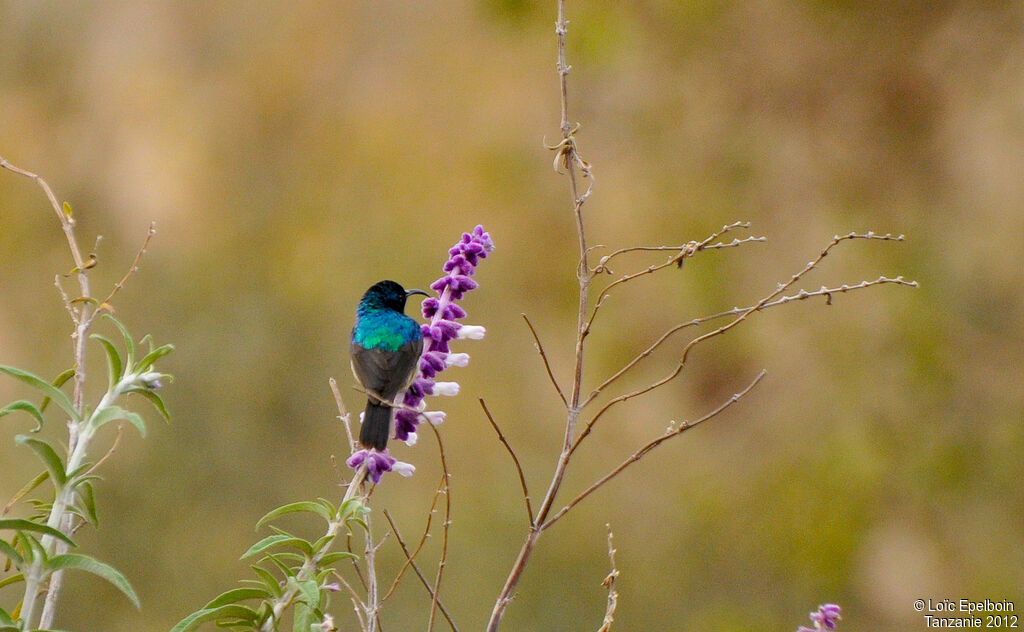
column 376, row 426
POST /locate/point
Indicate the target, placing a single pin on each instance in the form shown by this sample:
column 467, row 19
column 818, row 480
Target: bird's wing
column 385, row 373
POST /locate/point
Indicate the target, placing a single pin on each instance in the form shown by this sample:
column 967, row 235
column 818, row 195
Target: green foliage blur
column 293, row 154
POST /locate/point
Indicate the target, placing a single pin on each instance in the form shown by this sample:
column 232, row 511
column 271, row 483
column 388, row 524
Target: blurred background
column 292, row 154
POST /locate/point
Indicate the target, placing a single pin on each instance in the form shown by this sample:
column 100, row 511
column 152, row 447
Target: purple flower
column 443, row 313
column 378, row 462
column 824, row 618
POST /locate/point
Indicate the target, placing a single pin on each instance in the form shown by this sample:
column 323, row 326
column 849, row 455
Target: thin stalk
column 572, row 163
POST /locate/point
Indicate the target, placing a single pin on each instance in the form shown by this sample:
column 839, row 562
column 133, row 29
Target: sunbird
column 386, row 347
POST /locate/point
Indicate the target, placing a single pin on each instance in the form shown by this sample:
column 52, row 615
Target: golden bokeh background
column 292, row 154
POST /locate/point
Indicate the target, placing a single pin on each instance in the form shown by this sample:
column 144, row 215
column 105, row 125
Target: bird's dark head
column 387, row 295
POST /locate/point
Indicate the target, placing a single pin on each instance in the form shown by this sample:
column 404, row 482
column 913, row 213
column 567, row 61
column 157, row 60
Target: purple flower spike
column 824, row 618
column 376, row 463
column 442, row 327
column 443, row 313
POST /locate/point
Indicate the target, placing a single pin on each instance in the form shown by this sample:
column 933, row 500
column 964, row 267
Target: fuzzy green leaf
column 306, row 618
column 154, row 398
column 86, row 505
column 129, row 345
column 310, row 592
column 58, row 382
column 115, row 368
column 96, row 567
column 147, row 361
column 267, row 579
column 330, row 558
column 20, row 524
column 13, row 579
column 277, row 540
column 27, row 407
column 10, row 553
column 287, row 570
column 231, row 610
column 236, row 595
column 353, row 507
column 116, row 413
column 27, row 488
column 54, row 464
column 49, row 390
column 309, row 506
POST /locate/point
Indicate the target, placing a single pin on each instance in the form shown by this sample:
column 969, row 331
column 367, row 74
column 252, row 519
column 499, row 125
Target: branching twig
column 772, row 298
column 568, row 150
column 515, row 459
column 419, row 573
column 650, row 445
column 682, row 253
column 544, row 357
column 110, row 452
column 105, row 304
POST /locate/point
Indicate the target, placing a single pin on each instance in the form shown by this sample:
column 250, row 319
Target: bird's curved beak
column 409, row 293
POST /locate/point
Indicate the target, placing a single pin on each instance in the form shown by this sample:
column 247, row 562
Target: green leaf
column 287, row 570
column 232, row 610
column 129, row 345
column 10, row 553
column 25, row 406
column 306, row 618
column 310, row 593
column 54, row 464
column 330, row 558
column 116, row 413
column 147, row 361
column 267, row 579
column 29, row 486
column 155, row 399
column 47, row 389
column 86, row 506
column 57, row 382
column 277, row 540
column 13, row 579
column 236, row 595
column 20, row 524
column 311, row 507
column 353, row 507
column 96, row 567
column 115, row 368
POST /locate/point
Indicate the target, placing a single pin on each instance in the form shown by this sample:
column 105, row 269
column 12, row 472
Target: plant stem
column 308, row 569
column 584, row 276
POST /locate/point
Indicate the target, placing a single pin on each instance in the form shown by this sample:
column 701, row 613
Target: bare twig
column 411, row 559
column 609, row 583
column 650, row 445
column 105, row 304
column 445, row 527
column 419, row 573
column 515, row 459
column 777, row 297
column 544, row 357
column 827, row 292
column 343, row 414
column 357, row 602
column 568, row 150
column 113, row 448
column 682, row 253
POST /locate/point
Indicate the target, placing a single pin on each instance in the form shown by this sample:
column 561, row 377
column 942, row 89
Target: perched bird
column 386, row 347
